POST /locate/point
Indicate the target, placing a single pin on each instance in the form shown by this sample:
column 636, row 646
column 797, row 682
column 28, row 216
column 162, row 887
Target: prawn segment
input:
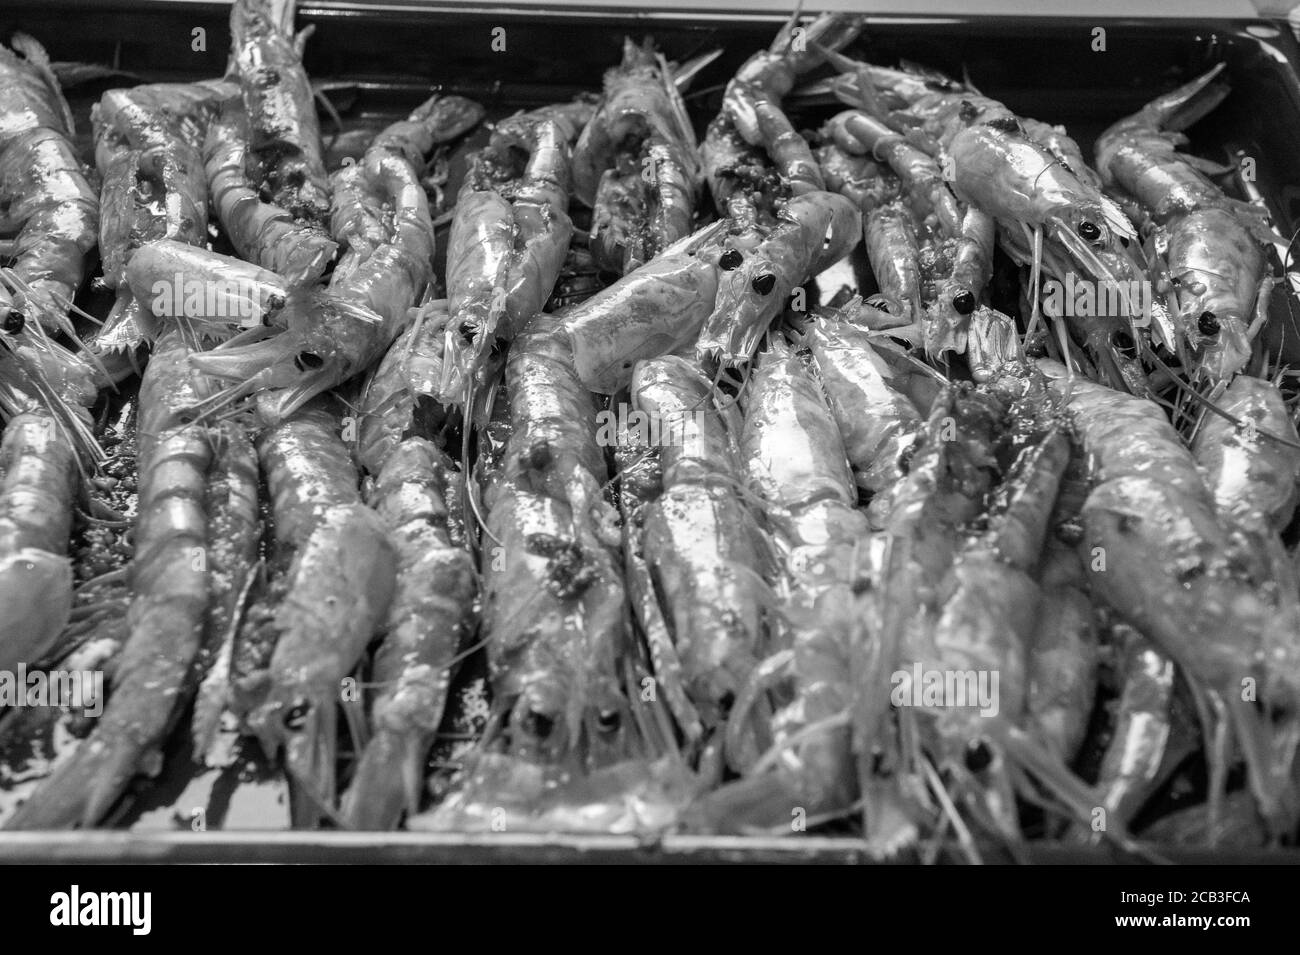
column 38, row 480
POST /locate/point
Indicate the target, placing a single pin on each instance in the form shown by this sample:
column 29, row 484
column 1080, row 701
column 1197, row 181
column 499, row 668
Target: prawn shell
column 36, row 593
column 1252, row 478
column 654, row 311
column 879, row 424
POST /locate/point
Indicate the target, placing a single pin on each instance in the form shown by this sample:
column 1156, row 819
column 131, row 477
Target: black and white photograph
column 596, row 431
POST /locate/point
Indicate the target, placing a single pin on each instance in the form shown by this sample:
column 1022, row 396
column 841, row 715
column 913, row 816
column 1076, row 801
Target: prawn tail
column 1184, row 107
column 309, row 758
column 388, row 780
column 81, row 791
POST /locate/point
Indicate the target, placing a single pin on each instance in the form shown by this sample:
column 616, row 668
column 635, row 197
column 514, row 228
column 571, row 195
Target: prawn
column 284, row 141
column 1171, row 570
column 1214, row 268
column 508, row 242
column 433, row 610
column 339, row 583
column 697, row 557
column 797, row 465
column 553, row 596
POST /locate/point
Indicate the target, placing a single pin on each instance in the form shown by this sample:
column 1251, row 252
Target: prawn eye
column 1208, row 323
column 539, row 724
column 731, row 259
column 963, row 303
column 275, row 302
column 763, row 284
column 608, row 721
column 14, row 321
column 978, row 756
column 1089, row 231
column 308, row 361
column 1124, row 344
column 297, row 715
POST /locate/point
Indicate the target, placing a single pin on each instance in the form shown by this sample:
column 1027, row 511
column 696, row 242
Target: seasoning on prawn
column 401, row 395
column 751, row 126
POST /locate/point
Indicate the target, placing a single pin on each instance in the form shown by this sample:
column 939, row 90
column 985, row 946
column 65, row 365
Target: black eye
column 978, row 756
column 14, row 321
column 537, row 457
column 731, row 259
column 1208, row 323
column 1089, row 231
column 905, row 459
column 608, row 721
column 539, row 725
column 726, row 701
column 274, row 303
column 963, row 303
column 297, row 715
column 1124, row 344
column 308, row 361
column 763, row 284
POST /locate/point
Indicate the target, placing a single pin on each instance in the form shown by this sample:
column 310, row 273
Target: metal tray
column 392, row 55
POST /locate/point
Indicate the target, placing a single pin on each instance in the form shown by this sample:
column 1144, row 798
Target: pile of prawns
column 348, row 479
